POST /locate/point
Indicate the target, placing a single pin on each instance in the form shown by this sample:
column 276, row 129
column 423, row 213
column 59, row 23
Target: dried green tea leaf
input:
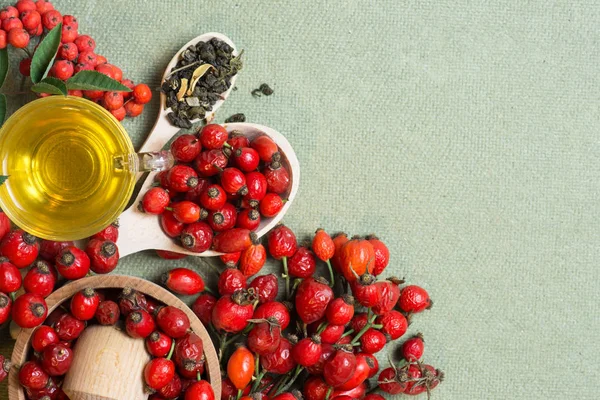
column 3, row 65
column 44, row 55
column 192, row 101
column 92, row 80
column 50, row 85
column 182, row 89
column 196, row 75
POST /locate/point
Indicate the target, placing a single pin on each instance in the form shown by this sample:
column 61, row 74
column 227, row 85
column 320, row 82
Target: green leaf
column 50, row 85
column 3, row 179
column 45, row 54
column 3, row 65
column 92, row 80
column 2, row 108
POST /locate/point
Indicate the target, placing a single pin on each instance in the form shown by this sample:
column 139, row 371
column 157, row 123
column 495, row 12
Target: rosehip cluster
column 221, row 188
column 28, row 19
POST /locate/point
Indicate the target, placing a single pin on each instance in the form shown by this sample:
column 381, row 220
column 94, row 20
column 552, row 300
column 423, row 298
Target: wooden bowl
column 111, row 367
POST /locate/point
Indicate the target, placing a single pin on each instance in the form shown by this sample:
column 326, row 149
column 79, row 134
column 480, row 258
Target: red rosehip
column 253, row 259
column 274, row 309
column 412, row 349
column 69, row 32
column 213, row 198
column 265, row 287
column 213, row 136
column 230, row 259
column 341, row 310
column 187, row 212
column 231, row 313
column 133, row 109
column 170, row 225
column 173, row 321
column 282, row 242
column 197, row 237
column 230, row 280
column 257, row 186
column 393, row 381
column 264, row 338
column 111, row 233
column 394, row 324
column 20, row 248
column 211, row 162
column 68, row 327
column 366, row 291
column 302, row 264
column 40, row 279
column 158, row 344
column 43, row 337
column 280, row 361
column 32, row 376
column 25, row 5
column 222, row 219
column 248, row 218
column 51, row 18
column 237, row 140
column 312, row 299
column 183, row 281
column 374, row 364
column 107, row 313
column 270, row 205
column 139, row 324
column 186, row 148
column 267, row 149
column 131, row 300
column 56, row 359
column 389, row 293
column 189, row 354
column 171, row 390
column 49, row 249
column 203, row 307
column 233, row 181
column 103, row 255
column 182, row 178
column 372, row 341
column 246, row 159
column 414, row 299
column 142, row 93
column 236, row 239
column 315, row 388
column 4, row 225
column 29, row 310
column 84, row 304
column 159, row 372
column 332, row 333
column 5, row 307
column 278, row 178
column 382, row 254
column 113, row 100
column 12, row 23
column 10, row 277
column 340, row 368
column 200, row 390
column 307, row 352
column 361, row 373
column 31, row 19
column 72, row 263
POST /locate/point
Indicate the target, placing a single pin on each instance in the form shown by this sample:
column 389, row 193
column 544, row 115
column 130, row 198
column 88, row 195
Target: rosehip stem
column 239, row 395
column 350, row 332
column 363, row 330
column 331, row 275
column 210, row 291
column 322, row 327
column 171, row 350
column 328, row 392
column 257, row 381
column 298, row 371
column 198, row 376
column 287, row 278
column 13, row 296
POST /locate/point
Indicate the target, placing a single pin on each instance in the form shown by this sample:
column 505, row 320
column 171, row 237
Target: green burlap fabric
column 465, row 134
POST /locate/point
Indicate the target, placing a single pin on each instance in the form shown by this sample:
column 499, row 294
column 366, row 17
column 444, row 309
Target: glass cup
column 71, row 166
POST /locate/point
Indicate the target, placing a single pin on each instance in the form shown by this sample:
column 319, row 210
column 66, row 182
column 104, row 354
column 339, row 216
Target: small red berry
column 267, row 149
column 302, row 264
column 113, row 100
column 71, row 20
column 237, row 140
column 142, row 93
column 133, row 109
column 341, row 310
column 106, row 70
column 88, row 57
column 253, row 259
column 173, row 321
column 89, row 94
column 203, row 307
column 265, row 287
column 119, row 113
column 200, row 390
column 197, row 237
column 236, row 239
column 85, row 43
column 372, row 341
column 312, row 299
column 280, row 361
column 158, row 344
column 233, row 181
column 31, row 19
column 72, row 263
column 84, row 304
column 213, row 136
column 10, row 277
column 20, row 248
column 43, row 6
column 274, row 309
column 213, row 198
column 4, row 225
column 131, row 300
column 307, row 352
column 270, row 205
column 183, row 281
column 56, row 359
column 332, row 333
column 5, row 307
column 107, row 313
column 393, row 381
column 49, row 249
column 8, row 12
column 68, row 327
column 340, row 368
column 182, row 178
column 188, row 212
column 186, row 148
column 37, row 31
column 230, row 259
column 389, row 293
column 69, row 32
column 361, row 373
column 382, row 254
column 171, row 226
column 12, row 23
column 189, row 354
column 40, row 279
column 257, row 186
column 412, row 349
column 248, row 218
column 323, row 245
column 240, row 367
column 231, row 313
column 159, row 372
column 264, row 338
column 111, row 233
column 211, row 162
column 29, row 310
column 155, row 200
column 25, row 5
column 230, row 280
column 394, row 324
column 32, row 376
column 223, row 219
column 117, row 72
column 51, row 18
column 125, row 82
column 278, row 178
column 414, row 299
column 62, row 69
column 139, row 324
column 43, row 337
column 246, row 159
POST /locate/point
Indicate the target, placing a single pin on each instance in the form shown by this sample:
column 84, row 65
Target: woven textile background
column 464, row 133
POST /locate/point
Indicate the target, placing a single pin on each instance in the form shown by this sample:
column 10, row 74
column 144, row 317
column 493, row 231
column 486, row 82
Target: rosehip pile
column 29, row 19
column 219, row 191
column 49, row 264
column 175, row 370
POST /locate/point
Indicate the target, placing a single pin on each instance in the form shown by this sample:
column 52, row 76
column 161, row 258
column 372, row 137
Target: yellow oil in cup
column 71, row 165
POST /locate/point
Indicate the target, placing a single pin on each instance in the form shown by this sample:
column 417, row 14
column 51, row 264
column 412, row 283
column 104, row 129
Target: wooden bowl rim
column 21, row 348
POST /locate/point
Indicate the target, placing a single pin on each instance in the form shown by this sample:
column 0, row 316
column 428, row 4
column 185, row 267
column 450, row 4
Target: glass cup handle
column 154, row 161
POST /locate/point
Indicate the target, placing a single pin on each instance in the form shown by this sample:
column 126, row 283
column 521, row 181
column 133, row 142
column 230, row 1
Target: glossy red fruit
column 103, row 255
column 265, row 287
column 133, row 109
column 158, row 344
column 373, row 364
column 340, row 310
column 20, row 248
column 131, row 300
column 312, row 298
column 394, row 324
column 322, row 245
column 111, row 233
column 50, row 391
column 25, row 5
column 366, row 291
column 307, row 352
column 240, row 367
column 315, row 388
column 186, row 148
column 68, row 51
column 302, row 264
column 29, row 310
column 8, row 12
column 200, row 390
column 69, row 33
column 248, row 218
column 230, row 280
column 43, row 337
column 354, row 393
column 236, row 239
column 211, row 162
column 414, row 299
column 327, row 351
column 340, row 368
column 49, row 249
column 424, row 379
column 10, row 277
column 32, row 376
column 84, row 304
column 159, row 372
column 183, row 281
column 231, row 313
column 264, row 337
column 170, row 225
column 253, row 259
column 282, row 242
column 274, row 309
column 393, row 381
column 172, row 321
column 338, row 242
column 294, row 395
column 203, row 307
column 372, row 341
column 4, row 225
column 107, row 313
column 213, row 198
column 357, row 257
column 267, row 149
column 231, row 259
column 257, row 186
column 56, row 359
column 18, row 38
column 139, row 324
column 223, row 219
column 189, row 354
column 197, row 237
column 155, row 200
column 280, row 361
column 278, row 178
column 389, row 294
column 187, row 212
column 270, row 205
column 72, row 263
column 382, row 254
column 237, row 140
column 31, row 19
column 332, row 334
column 68, row 327
column 361, row 373
column 171, row 390
column 5, row 307
column 246, row 159
column 142, row 93
column 233, row 181
column 413, row 348
column 5, row 366
column 213, row 136
column 85, row 43
column 182, row 178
